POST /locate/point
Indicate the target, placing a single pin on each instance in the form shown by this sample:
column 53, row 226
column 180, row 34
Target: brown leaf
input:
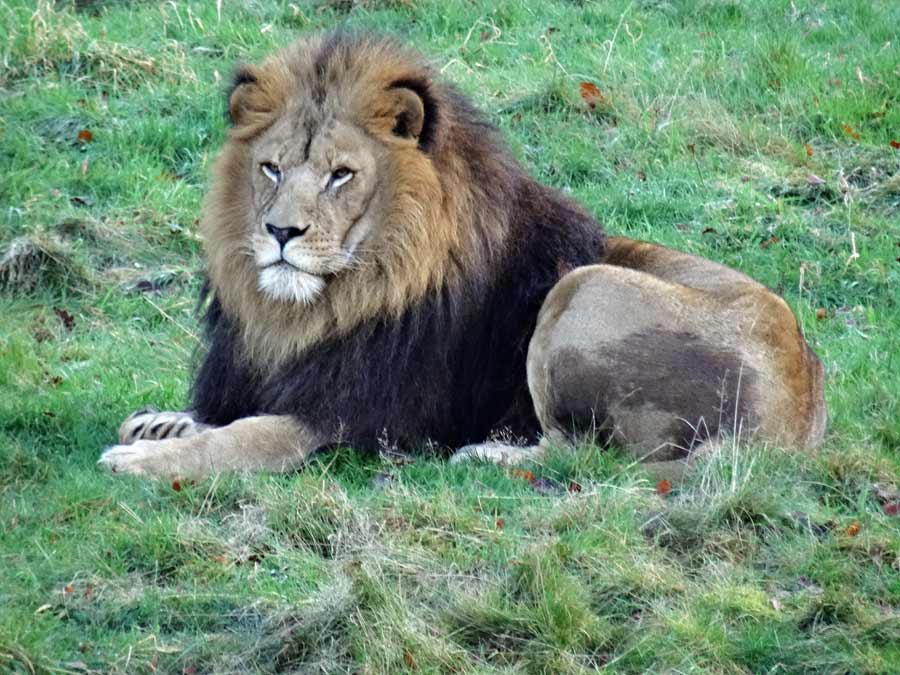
column 895, row 144
column 663, row 487
column 809, row 150
column 409, row 660
column 499, row 523
column 821, row 314
column 524, row 474
column 590, row 94
column 850, row 131
column 85, row 136
column 892, row 509
column 67, row 319
column 853, row 529
column 68, row 588
column 176, row 485
column 768, row 242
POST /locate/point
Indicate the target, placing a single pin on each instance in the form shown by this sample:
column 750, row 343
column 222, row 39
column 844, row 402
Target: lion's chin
column 288, row 284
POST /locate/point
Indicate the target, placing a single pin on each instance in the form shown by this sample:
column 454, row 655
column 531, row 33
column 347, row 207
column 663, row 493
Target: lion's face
column 316, row 201
column 340, row 195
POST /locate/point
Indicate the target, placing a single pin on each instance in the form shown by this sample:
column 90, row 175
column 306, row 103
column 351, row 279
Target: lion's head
column 341, row 194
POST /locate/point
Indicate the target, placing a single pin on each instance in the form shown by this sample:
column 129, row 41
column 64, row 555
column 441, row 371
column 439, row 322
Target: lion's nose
column 284, row 234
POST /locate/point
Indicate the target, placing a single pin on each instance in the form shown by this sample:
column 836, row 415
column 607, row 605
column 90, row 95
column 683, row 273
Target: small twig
column 612, row 42
column 854, row 254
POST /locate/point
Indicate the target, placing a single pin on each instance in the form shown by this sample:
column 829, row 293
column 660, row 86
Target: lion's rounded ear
column 409, row 116
column 244, row 86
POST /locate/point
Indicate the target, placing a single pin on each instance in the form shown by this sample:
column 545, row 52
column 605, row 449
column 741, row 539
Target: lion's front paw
column 138, row 458
column 152, row 425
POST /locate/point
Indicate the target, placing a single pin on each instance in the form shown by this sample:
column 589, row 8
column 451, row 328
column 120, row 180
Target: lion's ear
column 244, row 89
column 410, row 112
column 409, row 116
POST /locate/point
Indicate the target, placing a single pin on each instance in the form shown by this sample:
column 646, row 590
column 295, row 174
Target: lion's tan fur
column 586, row 350
column 430, row 232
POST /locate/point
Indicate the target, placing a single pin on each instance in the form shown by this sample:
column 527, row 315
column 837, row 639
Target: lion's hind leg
column 661, row 367
column 150, row 424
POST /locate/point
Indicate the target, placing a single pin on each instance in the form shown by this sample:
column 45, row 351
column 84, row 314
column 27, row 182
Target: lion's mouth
column 283, row 263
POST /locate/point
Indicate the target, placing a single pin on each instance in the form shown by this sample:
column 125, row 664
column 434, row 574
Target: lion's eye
column 340, row 176
column 271, row 171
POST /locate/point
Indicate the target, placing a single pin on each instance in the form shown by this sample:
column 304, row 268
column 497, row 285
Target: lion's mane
column 427, row 338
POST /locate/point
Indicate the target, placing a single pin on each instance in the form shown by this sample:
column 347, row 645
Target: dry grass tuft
column 31, row 263
column 54, row 40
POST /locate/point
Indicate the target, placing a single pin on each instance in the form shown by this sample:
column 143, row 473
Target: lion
column 380, row 269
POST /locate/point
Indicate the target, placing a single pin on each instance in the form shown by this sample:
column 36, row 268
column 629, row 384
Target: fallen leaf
column 85, row 136
column 895, row 144
column 409, row 660
column 853, row 529
column 892, row 509
column 176, row 485
column 574, row 487
column 768, row 242
column 524, row 474
column 499, row 523
column 809, row 150
column 663, row 487
column 850, row 131
column 67, row 319
column 68, row 588
column 821, row 314
column 590, row 94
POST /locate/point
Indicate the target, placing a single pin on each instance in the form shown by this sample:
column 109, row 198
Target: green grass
column 715, row 115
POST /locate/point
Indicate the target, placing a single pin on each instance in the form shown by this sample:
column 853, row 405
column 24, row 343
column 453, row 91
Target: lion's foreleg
column 264, row 443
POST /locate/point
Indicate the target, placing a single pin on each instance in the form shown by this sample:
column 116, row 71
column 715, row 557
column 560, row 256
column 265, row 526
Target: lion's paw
column 151, row 425
column 139, row 458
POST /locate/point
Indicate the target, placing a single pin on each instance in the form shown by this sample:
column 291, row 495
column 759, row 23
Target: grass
column 757, row 133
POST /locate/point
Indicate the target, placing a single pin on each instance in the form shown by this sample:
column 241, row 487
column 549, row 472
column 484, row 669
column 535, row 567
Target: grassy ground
column 755, row 132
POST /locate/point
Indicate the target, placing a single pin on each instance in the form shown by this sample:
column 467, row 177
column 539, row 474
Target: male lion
column 376, row 265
